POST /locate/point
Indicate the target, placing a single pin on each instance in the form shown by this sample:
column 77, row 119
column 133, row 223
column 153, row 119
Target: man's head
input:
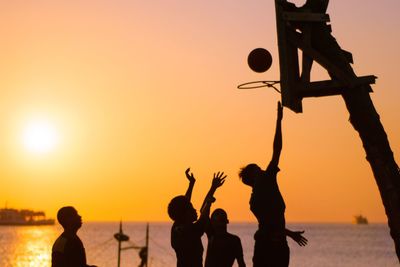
column 249, row 173
column 219, row 218
column 180, row 209
column 69, row 218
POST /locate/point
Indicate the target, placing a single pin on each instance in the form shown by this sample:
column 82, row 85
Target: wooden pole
column 366, row 121
column 147, row 245
column 119, row 244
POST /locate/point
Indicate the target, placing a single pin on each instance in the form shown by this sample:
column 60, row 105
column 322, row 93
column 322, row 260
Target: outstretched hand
column 189, row 176
column 280, row 111
column 299, row 238
column 218, row 180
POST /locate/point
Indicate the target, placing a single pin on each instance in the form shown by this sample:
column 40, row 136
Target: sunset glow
column 40, row 137
column 131, row 93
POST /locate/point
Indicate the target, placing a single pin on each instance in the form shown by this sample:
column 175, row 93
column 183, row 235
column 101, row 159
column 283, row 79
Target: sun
column 40, row 137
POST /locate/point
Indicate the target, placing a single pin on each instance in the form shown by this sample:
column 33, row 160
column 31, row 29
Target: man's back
column 186, row 241
column 223, row 249
column 68, row 251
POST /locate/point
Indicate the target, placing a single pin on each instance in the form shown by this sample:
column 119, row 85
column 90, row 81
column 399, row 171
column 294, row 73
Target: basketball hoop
column 259, row 84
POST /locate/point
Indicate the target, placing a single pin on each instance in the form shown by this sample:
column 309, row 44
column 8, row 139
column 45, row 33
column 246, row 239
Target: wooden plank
column 288, row 63
column 364, row 80
column 307, row 61
column 348, row 55
column 332, row 87
column 305, row 17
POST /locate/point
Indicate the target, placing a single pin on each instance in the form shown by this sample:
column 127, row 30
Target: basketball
column 259, row 60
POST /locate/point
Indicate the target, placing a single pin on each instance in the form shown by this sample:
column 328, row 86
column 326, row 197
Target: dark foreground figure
column 68, row 250
column 267, row 204
column 186, row 231
column 223, row 247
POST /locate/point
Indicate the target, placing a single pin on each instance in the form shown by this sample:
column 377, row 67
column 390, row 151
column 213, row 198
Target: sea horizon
column 330, row 244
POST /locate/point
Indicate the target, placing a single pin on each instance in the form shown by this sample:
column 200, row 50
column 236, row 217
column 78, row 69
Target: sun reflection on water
column 27, row 246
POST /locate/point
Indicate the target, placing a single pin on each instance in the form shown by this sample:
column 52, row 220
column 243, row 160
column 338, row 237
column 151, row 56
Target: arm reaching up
column 192, row 180
column 218, row 180
column 277, row 148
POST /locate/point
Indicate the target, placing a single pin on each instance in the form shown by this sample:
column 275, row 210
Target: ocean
column 341, row 245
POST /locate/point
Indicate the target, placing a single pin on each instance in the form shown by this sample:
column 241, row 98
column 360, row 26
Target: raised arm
column 277, row 147
column 218, row 180
column 192, row 180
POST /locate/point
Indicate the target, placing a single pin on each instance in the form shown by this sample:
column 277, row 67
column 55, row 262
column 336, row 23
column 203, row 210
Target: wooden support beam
column 296, row 39
column 296, row 85
column 331, row 87
column 307, row 61
column 349, row 56
column 288, row 64
column 305, row 17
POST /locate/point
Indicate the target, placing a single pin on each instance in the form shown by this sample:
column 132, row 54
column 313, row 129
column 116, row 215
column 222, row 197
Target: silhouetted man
column 223, row 248
column 267, row 204
column 68, row 250
column 186, row 231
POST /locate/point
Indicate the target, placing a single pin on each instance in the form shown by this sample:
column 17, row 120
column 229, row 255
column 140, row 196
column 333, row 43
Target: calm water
column 329, row 245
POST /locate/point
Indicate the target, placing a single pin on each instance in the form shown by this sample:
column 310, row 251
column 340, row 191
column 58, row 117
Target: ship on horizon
column 359, row 219
column 23, row 217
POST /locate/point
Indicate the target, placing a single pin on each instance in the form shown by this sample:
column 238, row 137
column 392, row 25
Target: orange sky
column 140, row 90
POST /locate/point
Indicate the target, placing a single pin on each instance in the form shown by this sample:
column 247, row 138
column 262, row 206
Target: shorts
column 270, row 254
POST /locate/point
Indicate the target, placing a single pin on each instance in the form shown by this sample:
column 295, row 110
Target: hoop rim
column 258, row 84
